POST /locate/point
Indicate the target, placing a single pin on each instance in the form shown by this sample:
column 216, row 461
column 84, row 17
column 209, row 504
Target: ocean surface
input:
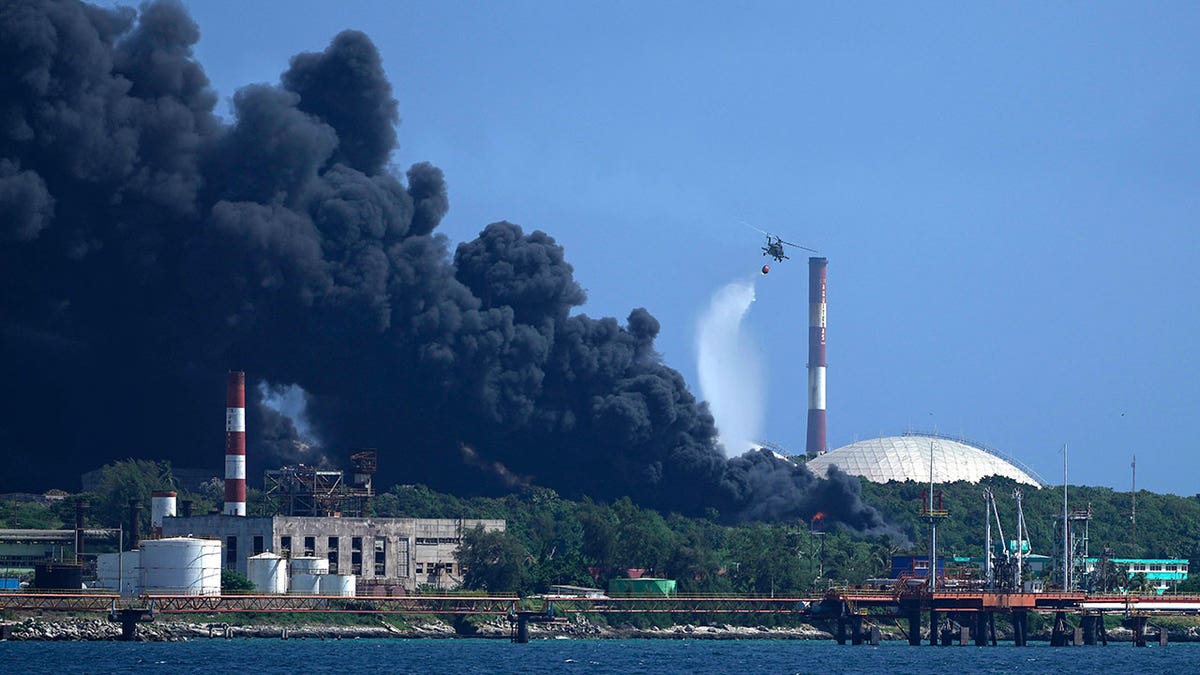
column 431, row 657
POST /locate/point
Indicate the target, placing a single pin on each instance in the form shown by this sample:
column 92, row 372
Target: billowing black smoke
column 146, row 247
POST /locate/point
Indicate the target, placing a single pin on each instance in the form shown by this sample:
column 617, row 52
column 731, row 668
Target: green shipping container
column 657, row 588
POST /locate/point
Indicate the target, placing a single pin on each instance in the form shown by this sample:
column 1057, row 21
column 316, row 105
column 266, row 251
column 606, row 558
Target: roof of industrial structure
column 907, row 457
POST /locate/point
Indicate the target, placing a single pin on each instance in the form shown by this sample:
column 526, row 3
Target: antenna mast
column 933, row 515
column 1066, row 529
column 1133, row 507
column 987, row 537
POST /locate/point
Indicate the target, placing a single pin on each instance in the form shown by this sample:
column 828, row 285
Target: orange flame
column 820, row 515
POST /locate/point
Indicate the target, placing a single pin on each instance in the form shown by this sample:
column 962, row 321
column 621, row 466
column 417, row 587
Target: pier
column 950, row 617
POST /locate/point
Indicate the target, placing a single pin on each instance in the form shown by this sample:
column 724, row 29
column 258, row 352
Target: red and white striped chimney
column 235, row 444
column 816, row 357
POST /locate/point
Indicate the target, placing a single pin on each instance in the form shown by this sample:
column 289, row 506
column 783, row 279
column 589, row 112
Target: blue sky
column 1007, row 193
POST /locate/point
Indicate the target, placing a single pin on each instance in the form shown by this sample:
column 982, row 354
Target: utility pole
column 987, row 537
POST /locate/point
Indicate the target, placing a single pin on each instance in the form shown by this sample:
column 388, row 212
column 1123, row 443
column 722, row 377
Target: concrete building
column 405, row 552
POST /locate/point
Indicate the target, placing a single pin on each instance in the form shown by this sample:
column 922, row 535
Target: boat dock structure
column 958, row 617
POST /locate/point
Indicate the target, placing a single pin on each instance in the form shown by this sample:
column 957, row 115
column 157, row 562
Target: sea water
column 434, row 656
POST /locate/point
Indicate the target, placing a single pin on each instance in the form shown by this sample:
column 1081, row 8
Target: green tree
column 28, row 515
column 599, row 545
column 123, row 481
column 234, row 581
column 493, row 561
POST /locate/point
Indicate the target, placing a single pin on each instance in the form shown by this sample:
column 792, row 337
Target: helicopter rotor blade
column 755, row 228
column 803, row 248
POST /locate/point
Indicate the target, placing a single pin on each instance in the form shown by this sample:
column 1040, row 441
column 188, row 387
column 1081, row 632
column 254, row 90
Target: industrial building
column 1161, row 573
column 907, row 457
column 320, row 526
column 401, row 552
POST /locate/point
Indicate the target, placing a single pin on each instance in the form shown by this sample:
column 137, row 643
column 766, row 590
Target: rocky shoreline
column 98, row 629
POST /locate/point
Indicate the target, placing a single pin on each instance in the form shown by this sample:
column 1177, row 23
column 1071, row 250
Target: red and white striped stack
column 815, row 444
column 235, row 444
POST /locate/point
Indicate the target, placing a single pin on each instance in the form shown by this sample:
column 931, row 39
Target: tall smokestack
column 816, row 356
column 235, row 444
column 80, row 516
column 135, row 523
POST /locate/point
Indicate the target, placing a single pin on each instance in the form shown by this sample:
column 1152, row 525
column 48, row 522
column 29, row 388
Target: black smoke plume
column 146, row 247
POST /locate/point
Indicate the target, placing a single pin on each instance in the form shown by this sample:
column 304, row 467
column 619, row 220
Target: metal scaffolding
column 308, row 491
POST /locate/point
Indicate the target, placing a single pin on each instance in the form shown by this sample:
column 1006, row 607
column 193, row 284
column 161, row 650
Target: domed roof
column 906, row 457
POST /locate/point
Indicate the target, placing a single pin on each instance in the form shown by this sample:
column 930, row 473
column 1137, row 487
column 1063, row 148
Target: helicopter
column 774, row 247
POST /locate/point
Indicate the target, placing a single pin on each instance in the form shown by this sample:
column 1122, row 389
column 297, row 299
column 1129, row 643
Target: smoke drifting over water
column 147, row 247
column 730, row 368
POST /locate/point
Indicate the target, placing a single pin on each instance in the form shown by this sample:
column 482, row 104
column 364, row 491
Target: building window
column 285, row 546
column 333, row 555
column 258, row 544
column 310, row 546
column 356, row 555
column 231, row 551
column 380, row 556
column 420, row 568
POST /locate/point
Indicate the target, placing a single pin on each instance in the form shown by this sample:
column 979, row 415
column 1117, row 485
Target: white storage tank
column 181, row 566
column 162, row 504
column 309, row 565
column 305, row 584
column 306, row 575
column 268, row 572
column 338, row 584
column 120, row 572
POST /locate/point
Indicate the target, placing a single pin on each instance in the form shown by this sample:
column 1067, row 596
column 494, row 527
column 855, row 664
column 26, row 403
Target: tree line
column 551, row 540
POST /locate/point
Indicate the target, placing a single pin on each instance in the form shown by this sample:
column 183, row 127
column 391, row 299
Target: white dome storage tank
column 268, row 572
column 906, row 458
column 309, row 565
column 342, row 585
column 306, row 575
column 120, row 572
column 181, row 566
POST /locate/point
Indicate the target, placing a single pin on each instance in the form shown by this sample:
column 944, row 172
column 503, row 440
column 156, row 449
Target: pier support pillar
column 873, row 636
column 522, row 634
column 1087, row 624
column 841, row 630
column 914, row 628
column 856, row 629
column 933, row 627
column 129, row 618
column 1138, row 625
column 981, row 623
column 946, row 635
column 1162, row 636
column 1020, row 624
column 1058, row 634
